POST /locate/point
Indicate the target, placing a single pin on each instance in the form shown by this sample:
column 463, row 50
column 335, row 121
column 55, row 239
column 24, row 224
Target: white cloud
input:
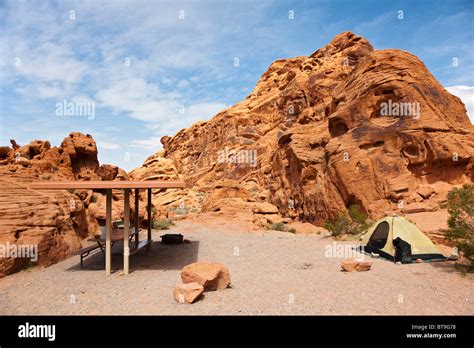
column 152, row 143
column 204, row 111
column 166, row 81
column 84, row 99
column 146, row 102
column 108, row 145
column 83, row 60
column 183, row 84
column 50, row 62
column 156, row 111
column 127, row 94
column 175, row 113
column 466, row 94
column 42, row 90
column 49, row 90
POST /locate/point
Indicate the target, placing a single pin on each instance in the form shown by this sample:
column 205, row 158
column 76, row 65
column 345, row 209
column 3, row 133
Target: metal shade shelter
column 108, row 186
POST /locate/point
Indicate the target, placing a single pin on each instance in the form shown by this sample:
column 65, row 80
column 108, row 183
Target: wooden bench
column 117, row 234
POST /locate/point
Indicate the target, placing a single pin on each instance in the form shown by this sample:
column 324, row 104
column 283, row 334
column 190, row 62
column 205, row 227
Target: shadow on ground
column 452, row 267
column 160, row 257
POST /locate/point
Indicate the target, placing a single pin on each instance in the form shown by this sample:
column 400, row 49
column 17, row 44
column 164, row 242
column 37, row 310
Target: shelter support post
column 108, row 231
column 136, row 217
column 126, row 231
column 150, row 219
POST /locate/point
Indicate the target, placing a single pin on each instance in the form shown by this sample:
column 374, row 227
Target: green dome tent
column 379, row 239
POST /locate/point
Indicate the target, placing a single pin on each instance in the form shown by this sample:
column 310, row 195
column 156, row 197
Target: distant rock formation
column 54, row 221
column 346, row 125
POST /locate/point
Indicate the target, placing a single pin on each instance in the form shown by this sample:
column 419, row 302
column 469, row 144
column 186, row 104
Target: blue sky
column 151, row 69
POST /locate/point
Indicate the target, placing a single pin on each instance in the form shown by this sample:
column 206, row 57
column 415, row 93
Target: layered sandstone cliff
column 346, row 125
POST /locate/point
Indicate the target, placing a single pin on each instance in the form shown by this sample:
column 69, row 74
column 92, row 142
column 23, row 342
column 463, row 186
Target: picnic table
column 108, row 186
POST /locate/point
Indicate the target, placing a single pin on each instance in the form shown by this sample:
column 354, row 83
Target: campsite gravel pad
column 272, row 273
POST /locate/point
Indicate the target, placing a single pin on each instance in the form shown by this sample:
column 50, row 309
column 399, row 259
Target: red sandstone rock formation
column 346, row 125
column 54, row 221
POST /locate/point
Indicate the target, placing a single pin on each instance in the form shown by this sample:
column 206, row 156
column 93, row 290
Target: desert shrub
column 358, row 216
column 353, row 221
column 461, row 220
column 93, row 198
column 181, row 211
column 338, row 225
column 162, row 224
column 278, row 226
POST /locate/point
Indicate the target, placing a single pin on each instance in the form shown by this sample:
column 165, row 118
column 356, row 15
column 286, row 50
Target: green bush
column 353, row 222
column 93, row 198
column 461, row 220
column 278, row 226
column 181, row 211
column 339, row 225
column 162, row 224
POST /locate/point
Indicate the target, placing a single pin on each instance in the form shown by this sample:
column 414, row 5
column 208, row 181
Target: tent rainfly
column 379, row 239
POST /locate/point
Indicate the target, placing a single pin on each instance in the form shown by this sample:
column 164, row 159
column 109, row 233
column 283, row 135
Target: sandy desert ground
column 272, row 273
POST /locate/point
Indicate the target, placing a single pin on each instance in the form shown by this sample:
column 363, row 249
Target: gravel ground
column 272, row 273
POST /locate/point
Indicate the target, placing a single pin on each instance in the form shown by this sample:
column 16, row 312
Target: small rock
column 425, row 191
column 306, row 265
column 25, row 162
column 419, row 261
column 419, row 208
column 12, row 168
column 351, row 265
column 188, row 293
column 264, row 208
column 211, row 276
column 273, row 218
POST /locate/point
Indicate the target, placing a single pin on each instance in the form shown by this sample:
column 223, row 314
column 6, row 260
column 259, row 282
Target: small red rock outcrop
column 210, row 275
column 188, row 293
column 353, row 265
